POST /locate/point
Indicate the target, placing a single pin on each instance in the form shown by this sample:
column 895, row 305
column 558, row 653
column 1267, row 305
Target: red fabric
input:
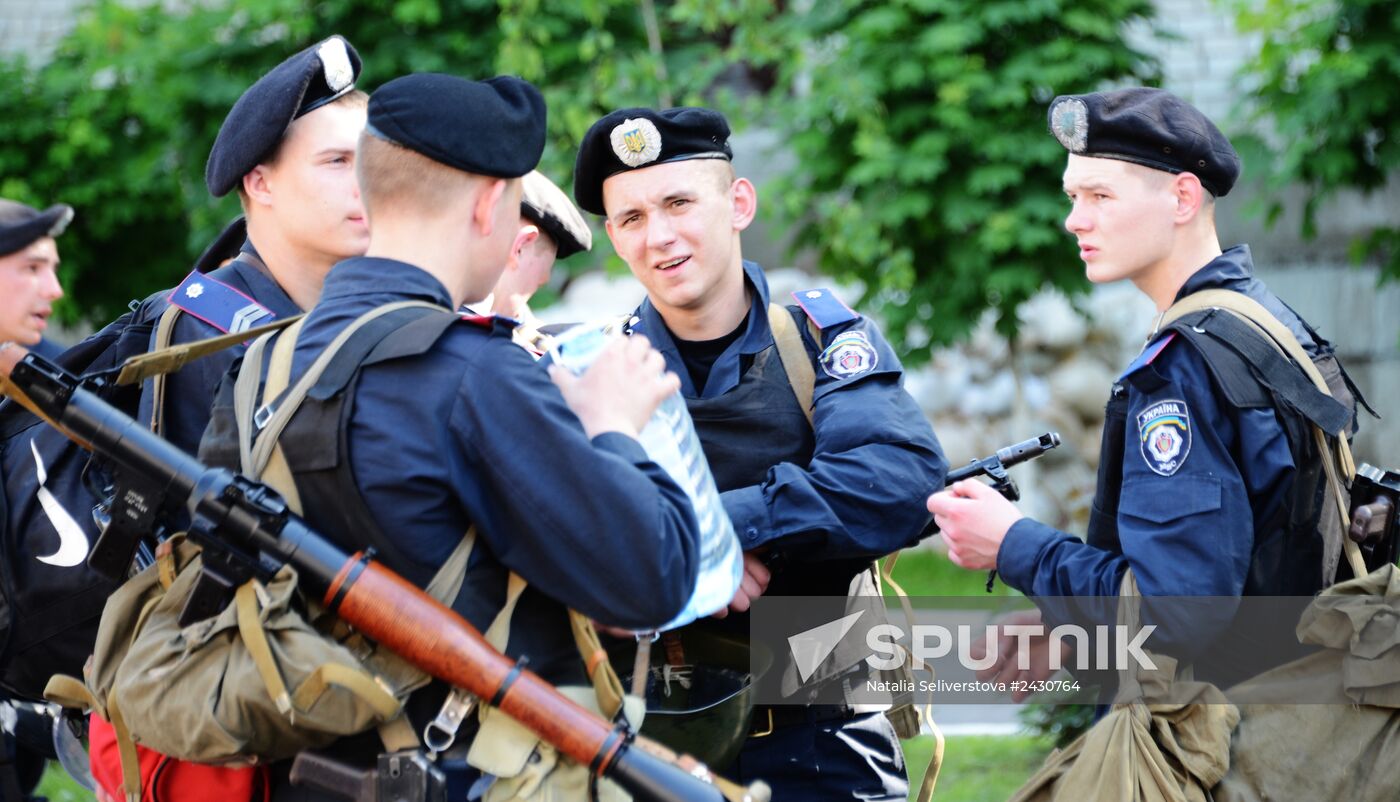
column 165, row 779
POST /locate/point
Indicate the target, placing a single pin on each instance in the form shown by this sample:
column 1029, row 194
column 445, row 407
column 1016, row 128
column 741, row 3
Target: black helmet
column 702, row 706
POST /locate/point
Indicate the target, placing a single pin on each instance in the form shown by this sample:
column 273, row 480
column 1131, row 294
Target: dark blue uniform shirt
column 1187, row 523
column 474, row 432
column 189, row 391
column 875, row 453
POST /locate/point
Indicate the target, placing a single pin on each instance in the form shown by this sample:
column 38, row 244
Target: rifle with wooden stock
column 247, row 531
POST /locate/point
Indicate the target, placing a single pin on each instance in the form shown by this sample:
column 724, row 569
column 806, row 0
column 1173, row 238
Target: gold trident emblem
column 634, row 140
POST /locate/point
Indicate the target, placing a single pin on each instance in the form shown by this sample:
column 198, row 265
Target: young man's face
column 1122, row 214
column 28, row 288
column 315, row 198
column 676, row 226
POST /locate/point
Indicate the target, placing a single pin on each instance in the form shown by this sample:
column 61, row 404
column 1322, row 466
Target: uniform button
column 752, row 532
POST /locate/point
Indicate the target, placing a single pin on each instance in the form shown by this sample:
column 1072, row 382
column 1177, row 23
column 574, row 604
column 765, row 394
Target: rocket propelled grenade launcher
column 247, row 531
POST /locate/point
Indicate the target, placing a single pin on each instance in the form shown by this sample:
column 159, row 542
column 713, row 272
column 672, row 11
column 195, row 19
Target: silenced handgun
column 994, row 468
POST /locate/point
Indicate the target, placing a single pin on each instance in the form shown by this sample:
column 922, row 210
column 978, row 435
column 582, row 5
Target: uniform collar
column 260, row 284
column 1231, row 270
column 372, row 275
column 724, row 375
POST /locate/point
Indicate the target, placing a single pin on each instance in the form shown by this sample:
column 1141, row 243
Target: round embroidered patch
column 636, row 142
column 1164, row 430
column 1069, row 120
column 850, row 354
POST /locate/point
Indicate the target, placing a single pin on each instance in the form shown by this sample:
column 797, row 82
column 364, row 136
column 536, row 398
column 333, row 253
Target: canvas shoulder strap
column 797, row 364
column 1340, row 467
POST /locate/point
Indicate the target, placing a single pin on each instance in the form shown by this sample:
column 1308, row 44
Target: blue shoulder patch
column 218, row 304
column 1148, row 354
column 824, row 308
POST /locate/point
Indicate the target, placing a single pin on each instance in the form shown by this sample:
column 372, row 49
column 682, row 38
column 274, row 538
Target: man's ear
column 745, row 203
column 257, row 185
column 528, row 234
column 484, row 212
column 1189, row 194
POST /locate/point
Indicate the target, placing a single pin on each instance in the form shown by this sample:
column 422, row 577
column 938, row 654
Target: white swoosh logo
column 72, row 543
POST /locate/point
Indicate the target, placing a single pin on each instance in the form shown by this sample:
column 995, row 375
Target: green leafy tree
column 119, row 121
column 922, row 169
column 926, row 172
column 1327, row 88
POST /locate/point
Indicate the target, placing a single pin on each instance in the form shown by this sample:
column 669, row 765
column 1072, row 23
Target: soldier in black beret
column 287, row 147
column 28, row 269
column 1208, row 481
column 795, row 468
column 451, row 428
column 551, row 228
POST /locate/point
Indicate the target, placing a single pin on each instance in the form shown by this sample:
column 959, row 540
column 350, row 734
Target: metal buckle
column 263, row 415
column 768, row 731
column 440, row 733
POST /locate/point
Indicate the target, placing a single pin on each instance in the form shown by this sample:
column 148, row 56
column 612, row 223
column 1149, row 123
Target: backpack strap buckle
column 264, row 414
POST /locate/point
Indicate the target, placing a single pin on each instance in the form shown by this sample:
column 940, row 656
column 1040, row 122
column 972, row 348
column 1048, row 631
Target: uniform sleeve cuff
column 1020, row 552
column 623, row 446
column 749, row 513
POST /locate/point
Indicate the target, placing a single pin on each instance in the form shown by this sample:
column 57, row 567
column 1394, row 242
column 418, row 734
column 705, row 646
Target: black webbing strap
column 1271, row 368
column 404, row 330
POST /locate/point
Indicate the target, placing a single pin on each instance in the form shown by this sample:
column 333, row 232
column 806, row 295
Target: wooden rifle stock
column 395, row 613
column 398, row 615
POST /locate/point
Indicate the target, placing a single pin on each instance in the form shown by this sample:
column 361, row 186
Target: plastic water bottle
column 670, row 440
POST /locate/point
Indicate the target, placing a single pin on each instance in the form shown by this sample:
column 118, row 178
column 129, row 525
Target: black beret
column 630, row 139
column 493, row 127
column 21, row 225
column 226, row 246
column 546, row 205
column 1151, row 127
column 257, row 122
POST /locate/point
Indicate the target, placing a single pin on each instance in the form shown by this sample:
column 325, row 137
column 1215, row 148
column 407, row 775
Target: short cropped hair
column 392, row 175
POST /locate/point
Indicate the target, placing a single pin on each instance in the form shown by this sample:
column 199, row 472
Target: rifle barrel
column 1006, row 457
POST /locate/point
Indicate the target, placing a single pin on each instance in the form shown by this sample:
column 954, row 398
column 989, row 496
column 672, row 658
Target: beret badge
column 61, row 224
column 636, row 142
column 335, row 61
column 1069, row 120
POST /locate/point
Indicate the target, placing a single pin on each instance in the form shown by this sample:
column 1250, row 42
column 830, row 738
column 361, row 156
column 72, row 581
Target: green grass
column 925, row 572
column 59, row 787
column 976, row 768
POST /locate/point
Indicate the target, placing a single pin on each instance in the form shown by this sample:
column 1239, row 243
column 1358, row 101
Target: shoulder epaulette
column 218, row 304
column 824, row 308
column 1149, row 354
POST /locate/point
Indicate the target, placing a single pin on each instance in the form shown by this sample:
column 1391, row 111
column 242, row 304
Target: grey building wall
column 33, row 27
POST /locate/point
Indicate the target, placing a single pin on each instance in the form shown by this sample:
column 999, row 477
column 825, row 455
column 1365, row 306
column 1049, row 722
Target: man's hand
column 754, row 583
column 973, row 519
column 1007, row 668
column 620, row 390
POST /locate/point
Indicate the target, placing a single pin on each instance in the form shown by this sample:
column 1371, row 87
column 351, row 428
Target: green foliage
column 926, row 171
column 119, row 121
column 1059, row 722
column 923, row 166
column 1327, row 89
